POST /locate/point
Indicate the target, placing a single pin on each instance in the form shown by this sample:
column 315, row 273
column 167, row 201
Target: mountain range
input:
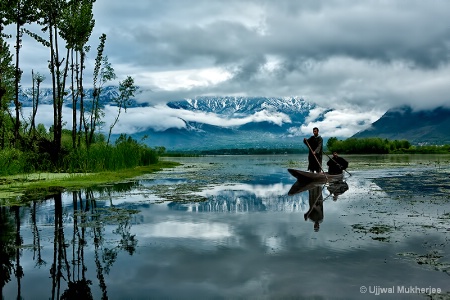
column 418, row 127
column 273, row 123
column 269, row 122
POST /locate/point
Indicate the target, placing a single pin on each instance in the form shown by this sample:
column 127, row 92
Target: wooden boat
column 305, row 176
column 301, row 186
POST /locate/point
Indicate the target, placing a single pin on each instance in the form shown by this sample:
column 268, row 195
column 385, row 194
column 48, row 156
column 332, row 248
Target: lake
column 233, row 227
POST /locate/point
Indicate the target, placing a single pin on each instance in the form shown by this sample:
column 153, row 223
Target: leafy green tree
column 331, row 141
column 366, row 145
column 76, row 28
column 51, row 17
column 7, row 73
column 6, row 92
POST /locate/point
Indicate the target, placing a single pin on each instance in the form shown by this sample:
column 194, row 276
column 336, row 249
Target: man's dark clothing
column 336, row 165
column 315, row 142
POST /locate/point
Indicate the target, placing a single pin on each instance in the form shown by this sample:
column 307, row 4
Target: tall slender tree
column 76, row 28
column 19, row 12
column 37, row 80
column 103, row 72
column 7, row 72
column 6, row 91
column 126, row 91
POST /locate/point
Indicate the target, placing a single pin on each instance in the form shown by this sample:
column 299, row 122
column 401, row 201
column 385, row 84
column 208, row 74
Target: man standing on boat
column 314, row 144
column 336, row 164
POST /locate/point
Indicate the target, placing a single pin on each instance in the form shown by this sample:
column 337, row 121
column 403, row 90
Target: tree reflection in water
column 7, row 247
column 68, row 268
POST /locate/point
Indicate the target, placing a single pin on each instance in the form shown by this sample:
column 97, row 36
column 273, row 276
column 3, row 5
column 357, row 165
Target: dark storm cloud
column 411, row 31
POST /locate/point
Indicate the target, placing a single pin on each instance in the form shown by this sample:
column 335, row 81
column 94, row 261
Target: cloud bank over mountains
column 292, row 115
column 359, row 58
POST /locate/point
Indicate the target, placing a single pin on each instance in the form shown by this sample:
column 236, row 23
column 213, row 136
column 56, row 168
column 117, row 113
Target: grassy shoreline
column 18, row 189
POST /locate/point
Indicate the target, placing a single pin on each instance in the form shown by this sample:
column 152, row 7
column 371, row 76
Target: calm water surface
column 234, row 227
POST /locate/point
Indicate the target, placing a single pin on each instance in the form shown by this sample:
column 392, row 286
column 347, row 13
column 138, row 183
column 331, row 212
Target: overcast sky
column 353, row 56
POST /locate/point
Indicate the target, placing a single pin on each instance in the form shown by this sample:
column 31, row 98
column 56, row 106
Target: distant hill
column 418, row 127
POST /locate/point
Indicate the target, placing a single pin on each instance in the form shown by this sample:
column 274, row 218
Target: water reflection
column 248, row 239
column 337, row 188
column 73, row 230
column 8, row 246
column 244, row 198
column 315, row 211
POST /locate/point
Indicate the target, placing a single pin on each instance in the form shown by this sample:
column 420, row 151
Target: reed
column 125, row 153
column 102, row 157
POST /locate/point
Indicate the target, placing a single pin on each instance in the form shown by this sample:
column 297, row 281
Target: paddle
column 320, row 165
column 337, row 163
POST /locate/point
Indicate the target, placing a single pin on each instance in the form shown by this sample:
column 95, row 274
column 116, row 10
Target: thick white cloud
column 354, row 56
column 161, row 118
column 158, row 118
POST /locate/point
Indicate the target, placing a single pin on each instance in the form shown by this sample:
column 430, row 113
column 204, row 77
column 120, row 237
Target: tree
column 103, row 72
column 70, row 22
column 331, row 141
column 7, row 72
column 51, row 12
column 37, row 80
column 20, row 12
column 76, row 28
column 126, row 91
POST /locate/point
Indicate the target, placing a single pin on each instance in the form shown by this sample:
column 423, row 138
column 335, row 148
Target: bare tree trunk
column 33, row 114
column 82, row 119
column 17, row 80
column 74, row 98
column 38, row 80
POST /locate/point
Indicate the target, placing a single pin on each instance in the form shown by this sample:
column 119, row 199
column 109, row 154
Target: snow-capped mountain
column 241, row 106
column 214, row 122
column 273, row 123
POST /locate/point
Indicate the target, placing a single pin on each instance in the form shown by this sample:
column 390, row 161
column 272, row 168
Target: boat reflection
column 315, row 211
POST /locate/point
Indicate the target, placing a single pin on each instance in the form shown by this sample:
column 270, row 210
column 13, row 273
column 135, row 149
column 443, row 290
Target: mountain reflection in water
column 247, row 198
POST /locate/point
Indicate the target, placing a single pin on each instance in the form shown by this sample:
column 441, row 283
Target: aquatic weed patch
column 431, row 259
column 445, row 216
column 379, row 229
column 101, row 216
column 195, row 178
column 184, row 192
